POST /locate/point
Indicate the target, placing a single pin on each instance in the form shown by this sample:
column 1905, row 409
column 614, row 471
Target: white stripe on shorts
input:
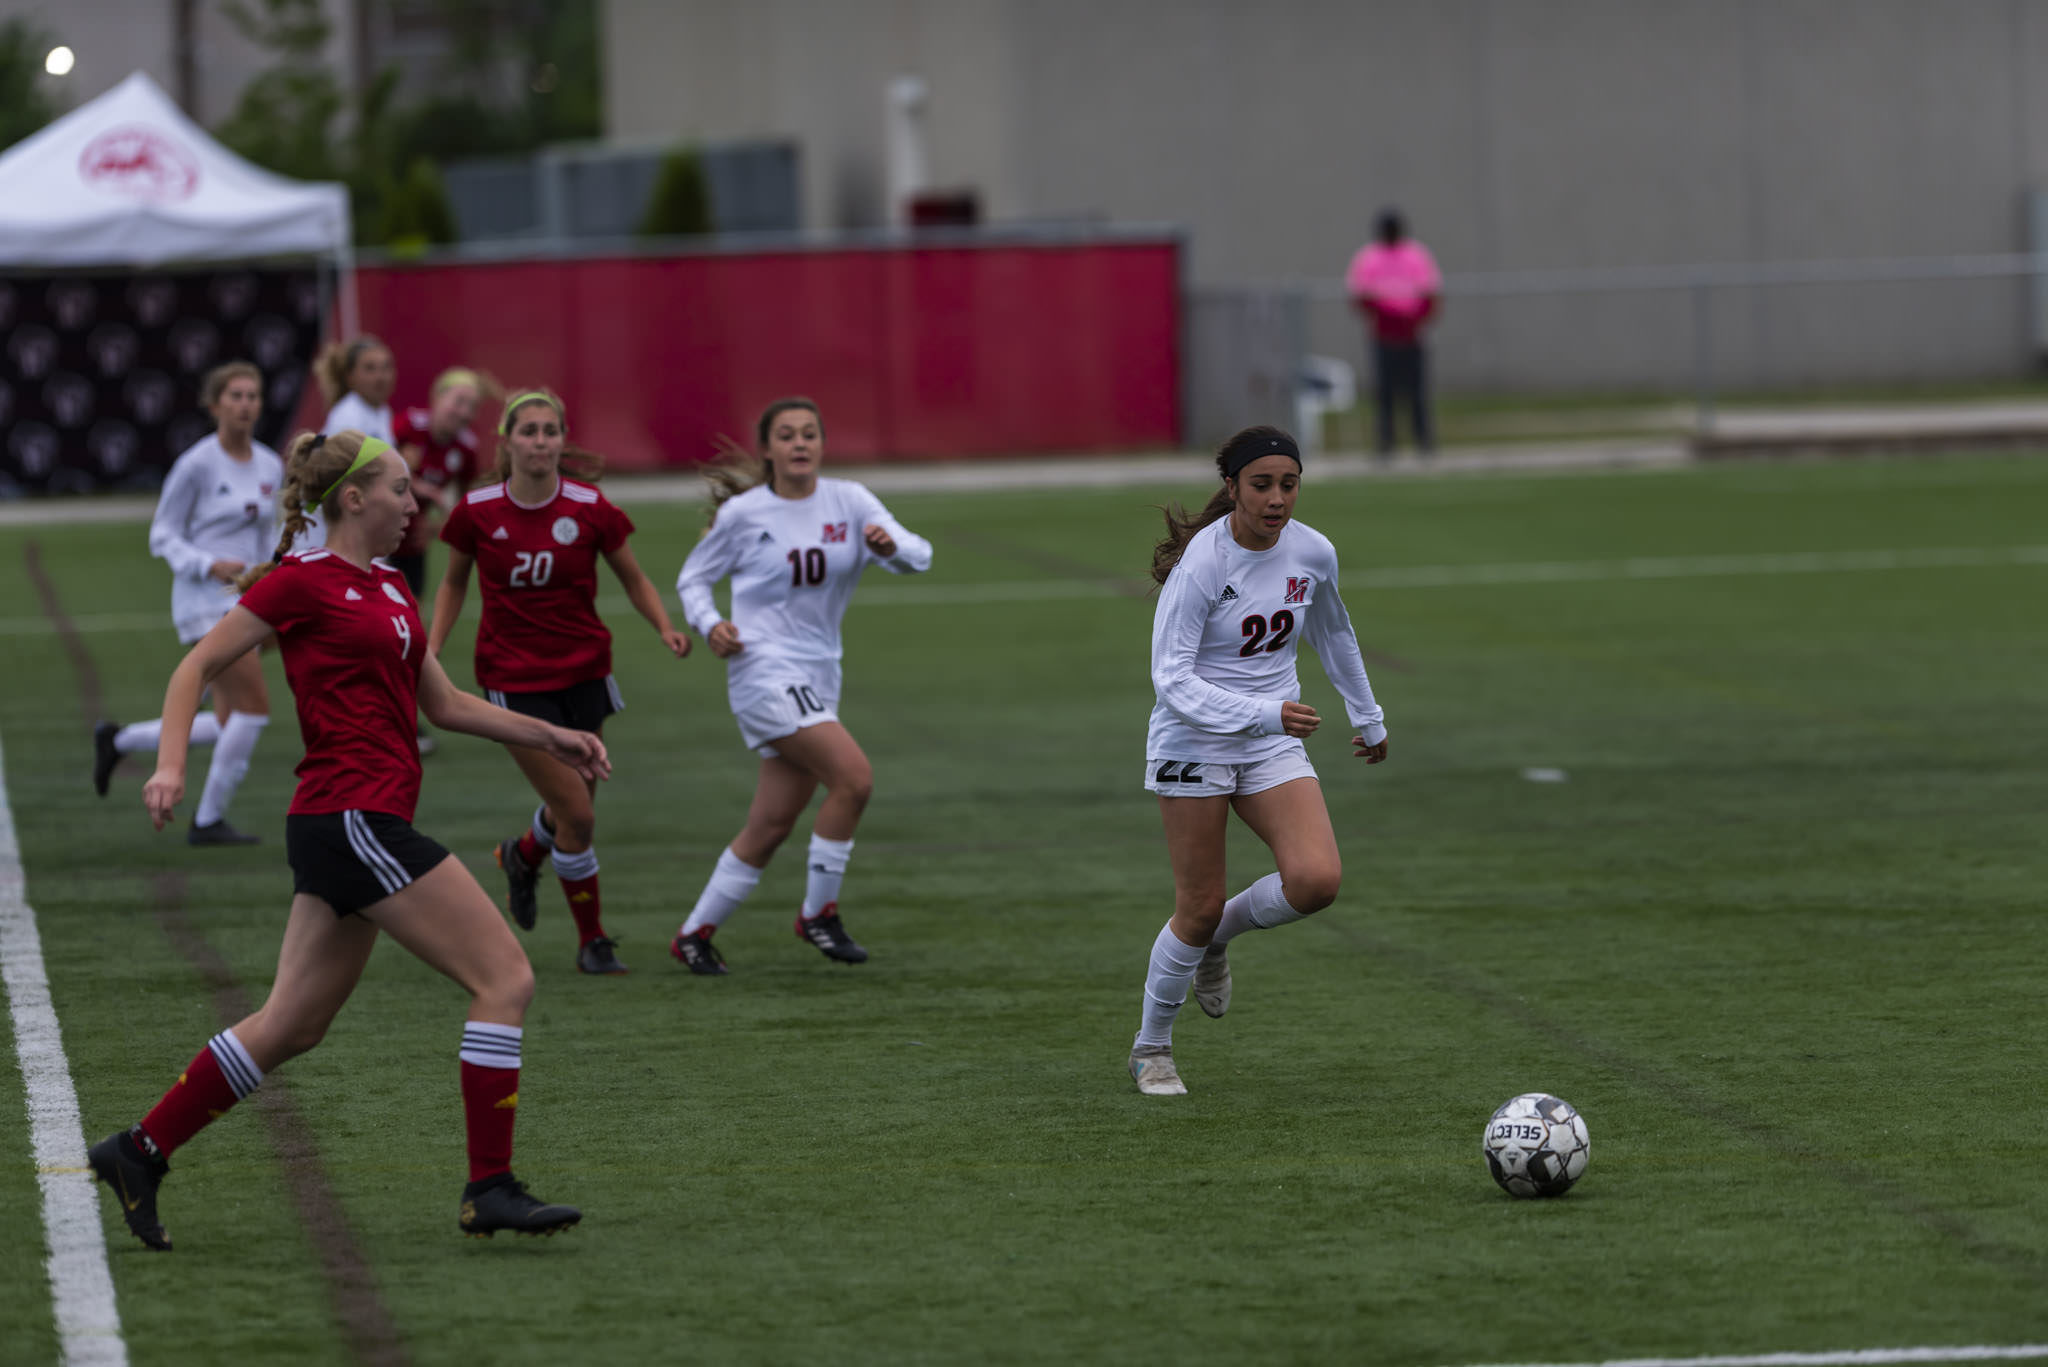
column 494, row 697
column 611, row 686
column 391, row 875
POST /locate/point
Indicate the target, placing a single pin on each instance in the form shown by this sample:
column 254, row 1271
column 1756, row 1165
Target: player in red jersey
column 535, row 538
column 356, row 659
column 441, row 452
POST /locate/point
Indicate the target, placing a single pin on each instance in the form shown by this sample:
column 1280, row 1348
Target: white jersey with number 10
column 794, row 563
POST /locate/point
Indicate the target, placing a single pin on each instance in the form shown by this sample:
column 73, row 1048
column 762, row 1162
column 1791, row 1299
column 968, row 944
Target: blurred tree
column 680, row 203
column 517, row 74
column 25, row 106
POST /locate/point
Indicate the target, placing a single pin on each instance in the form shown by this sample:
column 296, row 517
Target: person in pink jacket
column 1395, row 283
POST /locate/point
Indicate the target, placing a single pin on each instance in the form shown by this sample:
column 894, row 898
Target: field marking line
column 1397, row 577
column 1845, row 1357
column 81, row 1283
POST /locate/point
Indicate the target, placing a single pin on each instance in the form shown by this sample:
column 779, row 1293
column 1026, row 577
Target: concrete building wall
column 1566, row 134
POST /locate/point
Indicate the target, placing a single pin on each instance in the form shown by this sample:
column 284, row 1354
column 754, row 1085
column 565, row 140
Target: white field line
column 81, row 1285
column 1846, row 1357
column 1412, row 577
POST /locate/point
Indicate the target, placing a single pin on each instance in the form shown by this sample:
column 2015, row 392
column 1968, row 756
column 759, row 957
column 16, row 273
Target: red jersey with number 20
column 538, row 570
column 353, row 647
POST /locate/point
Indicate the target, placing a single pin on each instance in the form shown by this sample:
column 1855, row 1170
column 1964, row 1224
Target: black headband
column 1279, row 444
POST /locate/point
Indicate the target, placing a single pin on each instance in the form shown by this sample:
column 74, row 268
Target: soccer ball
column 1536, row 1145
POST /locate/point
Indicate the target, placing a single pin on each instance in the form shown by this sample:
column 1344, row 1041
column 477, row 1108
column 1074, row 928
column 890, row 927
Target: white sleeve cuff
column 1270, row 723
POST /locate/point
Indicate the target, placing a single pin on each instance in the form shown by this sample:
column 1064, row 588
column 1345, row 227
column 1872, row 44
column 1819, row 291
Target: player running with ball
column 795, row 545
column 1244, row 584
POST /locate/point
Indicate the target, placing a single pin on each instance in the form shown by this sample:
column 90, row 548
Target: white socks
column 143, row 735
column 729, row 885
column 1259, row 907
column 827, row 865
column 235, row 1064
column 1166, row 985
column 541, row 833
column 487, row 1045
column 569, row 867
column 230, row 764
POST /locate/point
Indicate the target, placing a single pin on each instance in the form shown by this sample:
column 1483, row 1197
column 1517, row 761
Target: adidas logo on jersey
column 766, row 536
column 1229, row 596
column 501, row 535
column 352, row 597
column 223, row 489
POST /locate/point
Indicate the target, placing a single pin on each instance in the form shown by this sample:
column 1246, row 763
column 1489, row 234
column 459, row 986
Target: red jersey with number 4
column 538, row 570
column 447, row 464
column 353, row 647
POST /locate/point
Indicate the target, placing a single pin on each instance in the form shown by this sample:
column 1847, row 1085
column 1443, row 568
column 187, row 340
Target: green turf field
column 1779, row 937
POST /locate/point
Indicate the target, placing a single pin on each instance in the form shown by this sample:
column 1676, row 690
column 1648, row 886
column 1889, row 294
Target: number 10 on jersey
column 806, row 567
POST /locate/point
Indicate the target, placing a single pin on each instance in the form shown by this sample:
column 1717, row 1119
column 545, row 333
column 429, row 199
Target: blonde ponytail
column 313, row 462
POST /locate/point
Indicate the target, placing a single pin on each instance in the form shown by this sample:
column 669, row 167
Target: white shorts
column 197, row 608
column 778, row 698
column 1170, row 777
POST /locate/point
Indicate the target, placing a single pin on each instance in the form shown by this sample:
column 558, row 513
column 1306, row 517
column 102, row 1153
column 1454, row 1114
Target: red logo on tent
column 141, row 163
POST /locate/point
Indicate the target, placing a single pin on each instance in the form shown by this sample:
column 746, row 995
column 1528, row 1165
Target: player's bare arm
column 448, row 599
column 646, row 600
column 234, row 636
column 450, row 708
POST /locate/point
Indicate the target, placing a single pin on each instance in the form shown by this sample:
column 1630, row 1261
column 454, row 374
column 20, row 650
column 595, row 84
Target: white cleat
column 1152, row 1069
column 1212, row 982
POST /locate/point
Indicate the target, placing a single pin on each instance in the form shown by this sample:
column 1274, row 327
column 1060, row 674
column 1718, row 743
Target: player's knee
column 510, row 986
column 1196, row 915
column 857, row 785
column 1309, row 890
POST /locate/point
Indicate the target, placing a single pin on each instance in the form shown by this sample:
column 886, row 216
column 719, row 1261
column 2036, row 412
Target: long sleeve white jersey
column 1223, row 646
column 793, row 563
column 214, row 507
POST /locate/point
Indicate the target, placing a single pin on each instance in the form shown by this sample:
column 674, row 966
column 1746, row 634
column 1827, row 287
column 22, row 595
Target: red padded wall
column 916, row 352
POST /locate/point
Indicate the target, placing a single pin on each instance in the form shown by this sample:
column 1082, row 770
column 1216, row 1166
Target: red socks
column 584, row 905
column 221, row 1074
column 490, row 1095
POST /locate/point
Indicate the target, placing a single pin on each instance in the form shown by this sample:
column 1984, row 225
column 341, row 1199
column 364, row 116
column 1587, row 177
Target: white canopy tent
column 128, row 180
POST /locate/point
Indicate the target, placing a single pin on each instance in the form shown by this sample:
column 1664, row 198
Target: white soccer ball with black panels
column 1536, row 1145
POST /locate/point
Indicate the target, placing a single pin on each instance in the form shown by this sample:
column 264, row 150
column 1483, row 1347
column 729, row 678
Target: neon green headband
column 373, row 447
column 520, row 400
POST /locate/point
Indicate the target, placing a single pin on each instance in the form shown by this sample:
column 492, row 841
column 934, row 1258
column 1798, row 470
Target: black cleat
column 502, row 1202
column 126, row 1161
column 695, row 951
column 520, row 880
column 598, row 955
column 828, row 933
column 104, row 755
column 220, row 833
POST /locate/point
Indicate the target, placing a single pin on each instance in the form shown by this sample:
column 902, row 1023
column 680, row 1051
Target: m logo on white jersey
column 835, row 531
column 1297, row 589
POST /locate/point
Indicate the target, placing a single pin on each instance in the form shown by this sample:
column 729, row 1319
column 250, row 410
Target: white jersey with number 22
column 1224, row 638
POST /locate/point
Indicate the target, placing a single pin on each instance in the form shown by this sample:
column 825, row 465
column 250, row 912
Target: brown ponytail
column 1180, row 527
column 336, row 360
column 312, row 463
column 737, row 469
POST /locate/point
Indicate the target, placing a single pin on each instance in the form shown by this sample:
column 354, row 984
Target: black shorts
column 579, row 707
column 352, row 860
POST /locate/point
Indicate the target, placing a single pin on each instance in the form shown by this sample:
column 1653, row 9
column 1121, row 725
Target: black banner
column 100, row 373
